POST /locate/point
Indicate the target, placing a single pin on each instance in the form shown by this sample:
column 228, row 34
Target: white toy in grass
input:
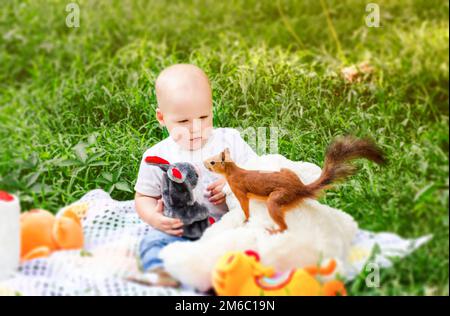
column 315, row 232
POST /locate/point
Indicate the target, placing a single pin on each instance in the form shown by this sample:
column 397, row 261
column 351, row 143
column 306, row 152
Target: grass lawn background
column 77, row 104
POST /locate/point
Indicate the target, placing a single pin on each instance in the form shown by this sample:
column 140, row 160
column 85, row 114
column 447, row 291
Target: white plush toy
column 315, row 232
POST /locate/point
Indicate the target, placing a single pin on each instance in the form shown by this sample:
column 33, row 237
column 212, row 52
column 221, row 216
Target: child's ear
column 160, row 117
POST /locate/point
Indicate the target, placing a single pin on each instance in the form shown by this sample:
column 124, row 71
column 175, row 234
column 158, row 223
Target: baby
column 185, row 108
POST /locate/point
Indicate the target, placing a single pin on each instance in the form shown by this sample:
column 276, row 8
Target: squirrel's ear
column 227, row 153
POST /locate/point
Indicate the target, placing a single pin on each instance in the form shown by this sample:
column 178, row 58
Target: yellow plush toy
column 42, row 232
column 238, row 273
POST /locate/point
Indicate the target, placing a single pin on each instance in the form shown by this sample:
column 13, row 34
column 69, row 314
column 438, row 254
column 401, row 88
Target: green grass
column 77, row 105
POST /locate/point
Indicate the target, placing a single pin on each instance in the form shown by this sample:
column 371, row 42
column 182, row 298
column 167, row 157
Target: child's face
column 185, row 105
column 189, row 121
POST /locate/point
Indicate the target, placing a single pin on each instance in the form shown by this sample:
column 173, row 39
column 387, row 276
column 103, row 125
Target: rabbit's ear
column 175, row 175
column 158, row 161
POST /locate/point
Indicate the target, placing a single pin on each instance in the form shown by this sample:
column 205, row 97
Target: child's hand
column 216, row 194
column 168, row 225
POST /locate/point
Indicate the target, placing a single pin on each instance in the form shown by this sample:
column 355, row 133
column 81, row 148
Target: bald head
column 185, row 104
column 180, row 83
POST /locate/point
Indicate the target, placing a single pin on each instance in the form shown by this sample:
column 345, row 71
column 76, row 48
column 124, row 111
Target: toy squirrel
column 282, row 190
column 241, row 273
column 179, row 182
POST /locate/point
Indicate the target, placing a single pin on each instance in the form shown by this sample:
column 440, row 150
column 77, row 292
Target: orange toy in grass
column 42, row 233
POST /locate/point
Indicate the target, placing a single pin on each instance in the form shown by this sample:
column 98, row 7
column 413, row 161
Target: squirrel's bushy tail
column 337, row 161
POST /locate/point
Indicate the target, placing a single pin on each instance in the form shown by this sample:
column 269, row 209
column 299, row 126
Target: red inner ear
column 252, row 253
column 156, row 160
column 176, row 173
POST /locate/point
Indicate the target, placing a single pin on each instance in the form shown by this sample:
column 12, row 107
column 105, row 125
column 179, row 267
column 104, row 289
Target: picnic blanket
column 112, row 231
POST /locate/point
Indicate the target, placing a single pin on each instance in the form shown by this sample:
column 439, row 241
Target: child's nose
column 196, row 126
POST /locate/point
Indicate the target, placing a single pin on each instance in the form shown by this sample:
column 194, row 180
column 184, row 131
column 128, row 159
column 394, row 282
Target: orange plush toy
column 42, row 233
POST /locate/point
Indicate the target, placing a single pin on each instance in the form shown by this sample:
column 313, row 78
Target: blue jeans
column 152, row 244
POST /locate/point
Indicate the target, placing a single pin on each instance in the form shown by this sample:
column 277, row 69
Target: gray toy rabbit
column 179, row 182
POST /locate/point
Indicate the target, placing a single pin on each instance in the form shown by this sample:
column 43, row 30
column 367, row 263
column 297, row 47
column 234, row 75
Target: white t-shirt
column 149, row 181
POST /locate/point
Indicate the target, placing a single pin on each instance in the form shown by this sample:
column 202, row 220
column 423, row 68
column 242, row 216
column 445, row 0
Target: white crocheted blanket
column 112, row 232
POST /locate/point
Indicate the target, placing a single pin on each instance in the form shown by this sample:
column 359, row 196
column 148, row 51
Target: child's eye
column 203, row 117
column 183, row 121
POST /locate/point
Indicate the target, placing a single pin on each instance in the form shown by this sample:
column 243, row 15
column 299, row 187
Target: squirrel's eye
column 212, row 163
